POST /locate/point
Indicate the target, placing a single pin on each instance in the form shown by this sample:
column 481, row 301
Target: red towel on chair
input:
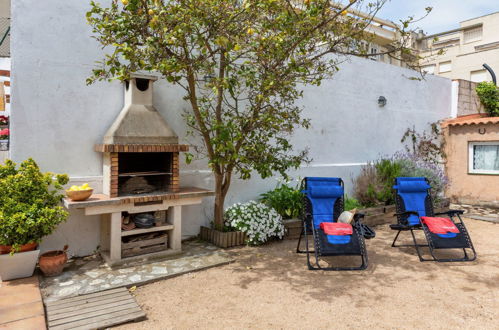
column 440, row 225
column 337, row 228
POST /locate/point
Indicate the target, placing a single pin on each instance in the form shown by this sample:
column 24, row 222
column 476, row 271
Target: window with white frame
column 478, row 75
column 484, row 157
column 474, row 34
column 445, row 67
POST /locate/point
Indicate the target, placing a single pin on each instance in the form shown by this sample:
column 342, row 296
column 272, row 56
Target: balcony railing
column 4, row 37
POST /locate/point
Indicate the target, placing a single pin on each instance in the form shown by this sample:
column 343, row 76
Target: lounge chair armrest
column 403, row 221
column 365, row 230
column 399, row 226
column 358, row 216
column 451, row 212
column 406, row 213
column 357, row 219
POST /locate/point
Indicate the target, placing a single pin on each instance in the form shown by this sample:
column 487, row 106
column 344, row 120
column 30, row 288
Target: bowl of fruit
column 79, row 193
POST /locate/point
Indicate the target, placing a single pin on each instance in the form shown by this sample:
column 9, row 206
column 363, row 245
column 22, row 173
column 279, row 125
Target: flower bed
column 257, row 220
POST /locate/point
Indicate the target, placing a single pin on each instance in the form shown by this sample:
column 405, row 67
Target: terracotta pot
column 52, row 262
column 5, row 249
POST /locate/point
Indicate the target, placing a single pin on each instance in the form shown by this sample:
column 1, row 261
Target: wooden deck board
column 88, row 302
column 109, row 306
column 96, row 310
column 83, row 297
column 112, row 321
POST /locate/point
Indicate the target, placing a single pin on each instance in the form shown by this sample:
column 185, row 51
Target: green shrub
column 387, row 170
column 489, row 96
column 374, row 184
column 363, row 186
column 29, row 203
column 286, row 200
column 352, row 203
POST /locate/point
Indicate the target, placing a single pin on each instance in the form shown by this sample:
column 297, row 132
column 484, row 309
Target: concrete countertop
column 102, row 200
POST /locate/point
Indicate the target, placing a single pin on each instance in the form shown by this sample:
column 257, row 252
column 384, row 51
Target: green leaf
column 188, row 157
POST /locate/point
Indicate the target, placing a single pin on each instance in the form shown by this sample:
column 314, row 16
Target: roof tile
column 475, row 119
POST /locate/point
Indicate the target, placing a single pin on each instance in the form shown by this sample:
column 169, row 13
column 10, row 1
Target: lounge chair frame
column 314, row 256
column 403, row 225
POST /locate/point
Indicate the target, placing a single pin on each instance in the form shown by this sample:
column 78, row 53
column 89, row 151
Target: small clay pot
column 52, row 262
column 5, row 249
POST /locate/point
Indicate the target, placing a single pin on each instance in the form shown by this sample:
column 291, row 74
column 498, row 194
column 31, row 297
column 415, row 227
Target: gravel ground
column 269, row 287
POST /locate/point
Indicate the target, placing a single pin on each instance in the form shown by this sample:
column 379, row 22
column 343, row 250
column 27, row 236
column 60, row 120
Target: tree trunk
column 222, row 184
column 219, row 202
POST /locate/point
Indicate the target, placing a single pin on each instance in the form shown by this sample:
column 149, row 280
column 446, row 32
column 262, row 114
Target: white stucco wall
column 56, row 118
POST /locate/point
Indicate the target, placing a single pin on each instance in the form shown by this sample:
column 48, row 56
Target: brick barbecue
column 140, row 179
column 141, row 151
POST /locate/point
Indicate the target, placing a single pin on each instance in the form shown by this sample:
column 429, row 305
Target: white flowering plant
column 257, row 220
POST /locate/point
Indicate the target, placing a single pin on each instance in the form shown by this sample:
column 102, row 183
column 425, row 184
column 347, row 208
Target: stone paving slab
column 482, row 218
column 478, row 212
column 91, row 274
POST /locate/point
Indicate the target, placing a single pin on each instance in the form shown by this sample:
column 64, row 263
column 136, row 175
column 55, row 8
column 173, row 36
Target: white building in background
column 383, row 35
column 465, row 49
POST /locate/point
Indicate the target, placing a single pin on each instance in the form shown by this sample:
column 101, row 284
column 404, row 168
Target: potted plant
column 252, row 223
column 29, row 210
column 4, row 139
column 257, row 221
column 288, row 202
column 4, row 121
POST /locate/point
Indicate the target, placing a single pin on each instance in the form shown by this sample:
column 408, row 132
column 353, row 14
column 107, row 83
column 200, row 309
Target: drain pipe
column 488, row 68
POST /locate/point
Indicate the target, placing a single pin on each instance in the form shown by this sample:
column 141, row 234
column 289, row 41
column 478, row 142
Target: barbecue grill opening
column 144, row 172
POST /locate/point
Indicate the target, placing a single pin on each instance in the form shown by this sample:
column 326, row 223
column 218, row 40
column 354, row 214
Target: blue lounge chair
column 413, row 201
column 324, row 202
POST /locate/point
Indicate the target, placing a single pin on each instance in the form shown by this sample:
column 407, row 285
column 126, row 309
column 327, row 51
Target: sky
column 446, row 14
